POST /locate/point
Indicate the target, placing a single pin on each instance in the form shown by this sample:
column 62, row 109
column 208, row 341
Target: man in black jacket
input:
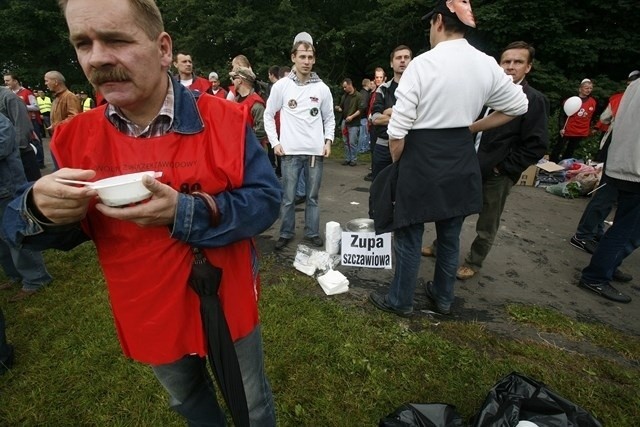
column 505, row 152
column 382, row 107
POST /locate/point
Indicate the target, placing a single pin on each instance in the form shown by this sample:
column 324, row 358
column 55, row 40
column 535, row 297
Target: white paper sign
column 366, row 250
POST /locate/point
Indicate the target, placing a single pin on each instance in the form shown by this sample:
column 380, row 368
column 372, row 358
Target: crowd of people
column 246, row 155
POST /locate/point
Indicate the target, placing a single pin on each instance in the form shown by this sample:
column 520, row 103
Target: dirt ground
column 531, row 261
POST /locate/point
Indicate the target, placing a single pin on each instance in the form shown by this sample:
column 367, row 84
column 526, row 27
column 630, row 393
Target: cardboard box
column 528, row 177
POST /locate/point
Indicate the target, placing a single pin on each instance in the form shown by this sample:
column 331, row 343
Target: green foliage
column 573, row 40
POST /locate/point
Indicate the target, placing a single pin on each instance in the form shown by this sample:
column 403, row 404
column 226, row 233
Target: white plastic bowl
column 123, row 189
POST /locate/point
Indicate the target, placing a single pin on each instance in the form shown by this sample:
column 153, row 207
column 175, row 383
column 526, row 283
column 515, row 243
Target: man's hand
column 63, row 203
column 278, row 150
column 159, row 210
column 327, row 148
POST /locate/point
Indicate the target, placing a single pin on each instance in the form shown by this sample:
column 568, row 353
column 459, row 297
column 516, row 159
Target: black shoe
column 315, row 241
column 7, row 364
column 346, row 163
column 300, row 199
column 368, row 177
column 380, row 302
column 428, row 289
column 352, row 163
column 619, row 276
column 281, row 243
column 588, row 246
column 605, row 290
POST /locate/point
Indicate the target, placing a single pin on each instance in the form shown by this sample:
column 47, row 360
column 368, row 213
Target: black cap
column 451, row 8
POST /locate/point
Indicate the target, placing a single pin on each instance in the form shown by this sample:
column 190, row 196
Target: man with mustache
column 218, row 190
column 66, row 104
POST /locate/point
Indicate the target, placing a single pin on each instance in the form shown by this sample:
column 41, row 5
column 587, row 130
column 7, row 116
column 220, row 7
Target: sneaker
column 315, row 241
column 429, row 251
column 346, row 163
column 380, row 302
column 620, row 276
column 588, row 246
column 352, row 163
column 605, row 290
column 464, row 272
column 300, row 199
column 281, row 243
column 8, row 363
column 428, row 289
column 368, row 177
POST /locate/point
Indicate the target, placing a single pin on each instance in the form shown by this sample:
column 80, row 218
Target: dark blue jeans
column 620, row 240
column 408, row 241
column 381, row 159
column 193, row 396
column 591, row 225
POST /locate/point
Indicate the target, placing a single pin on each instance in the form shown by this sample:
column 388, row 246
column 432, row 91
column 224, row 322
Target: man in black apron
column 440, row 95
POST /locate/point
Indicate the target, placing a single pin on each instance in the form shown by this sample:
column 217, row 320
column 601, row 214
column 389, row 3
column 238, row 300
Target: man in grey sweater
column 623, row 171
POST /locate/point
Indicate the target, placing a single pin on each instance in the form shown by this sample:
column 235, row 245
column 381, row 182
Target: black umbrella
column 205, row 280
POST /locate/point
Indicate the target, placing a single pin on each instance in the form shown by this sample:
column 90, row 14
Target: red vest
column 200, row 84
column 614, row 102
column 221, row 93
column 580, row 123
column 156, row 312
column 24, row 94
column 250, row 101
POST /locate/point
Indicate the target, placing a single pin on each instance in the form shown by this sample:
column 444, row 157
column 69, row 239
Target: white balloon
column 572, row 105
column 524, row 423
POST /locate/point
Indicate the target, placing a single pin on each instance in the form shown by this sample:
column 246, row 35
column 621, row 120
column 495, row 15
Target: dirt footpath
column 531, row 262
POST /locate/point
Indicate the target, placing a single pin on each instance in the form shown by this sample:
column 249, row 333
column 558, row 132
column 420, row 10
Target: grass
column 329, row 363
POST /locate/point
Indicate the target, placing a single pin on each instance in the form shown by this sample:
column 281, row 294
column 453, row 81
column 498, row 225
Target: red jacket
column 614, row 103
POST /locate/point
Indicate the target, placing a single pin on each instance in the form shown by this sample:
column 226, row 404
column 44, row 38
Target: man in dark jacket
column 382, row 107
column 505, row 152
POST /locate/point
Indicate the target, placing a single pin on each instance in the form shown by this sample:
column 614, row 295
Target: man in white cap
column 435, row 171
column 307, row 127
column 577, row 127
column 216, row 89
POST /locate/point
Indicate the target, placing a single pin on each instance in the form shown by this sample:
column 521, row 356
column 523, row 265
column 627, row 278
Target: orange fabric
column 156, row 312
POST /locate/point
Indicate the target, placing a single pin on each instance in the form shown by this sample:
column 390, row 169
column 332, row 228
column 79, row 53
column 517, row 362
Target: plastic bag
column 423, row 415
column 579, row 168
column 569, row 189
column 516, row 397
column 588, row 181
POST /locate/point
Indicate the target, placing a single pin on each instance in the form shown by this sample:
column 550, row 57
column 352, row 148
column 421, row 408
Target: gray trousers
column 495, row 190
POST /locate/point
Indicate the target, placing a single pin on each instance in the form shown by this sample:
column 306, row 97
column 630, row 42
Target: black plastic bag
column 515, row 398
column 423, row 415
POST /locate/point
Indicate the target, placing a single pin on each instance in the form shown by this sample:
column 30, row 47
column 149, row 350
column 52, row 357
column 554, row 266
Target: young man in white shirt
column 307, row 126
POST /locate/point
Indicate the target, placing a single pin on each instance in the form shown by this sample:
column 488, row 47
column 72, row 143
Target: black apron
column 438, row 177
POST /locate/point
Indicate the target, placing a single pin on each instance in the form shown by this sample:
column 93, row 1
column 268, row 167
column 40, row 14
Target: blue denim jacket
column 11, row 170
column 245, row 211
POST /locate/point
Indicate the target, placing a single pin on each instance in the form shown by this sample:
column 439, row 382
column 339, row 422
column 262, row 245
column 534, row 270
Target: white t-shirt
column 447, row 87
column 306, row 116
